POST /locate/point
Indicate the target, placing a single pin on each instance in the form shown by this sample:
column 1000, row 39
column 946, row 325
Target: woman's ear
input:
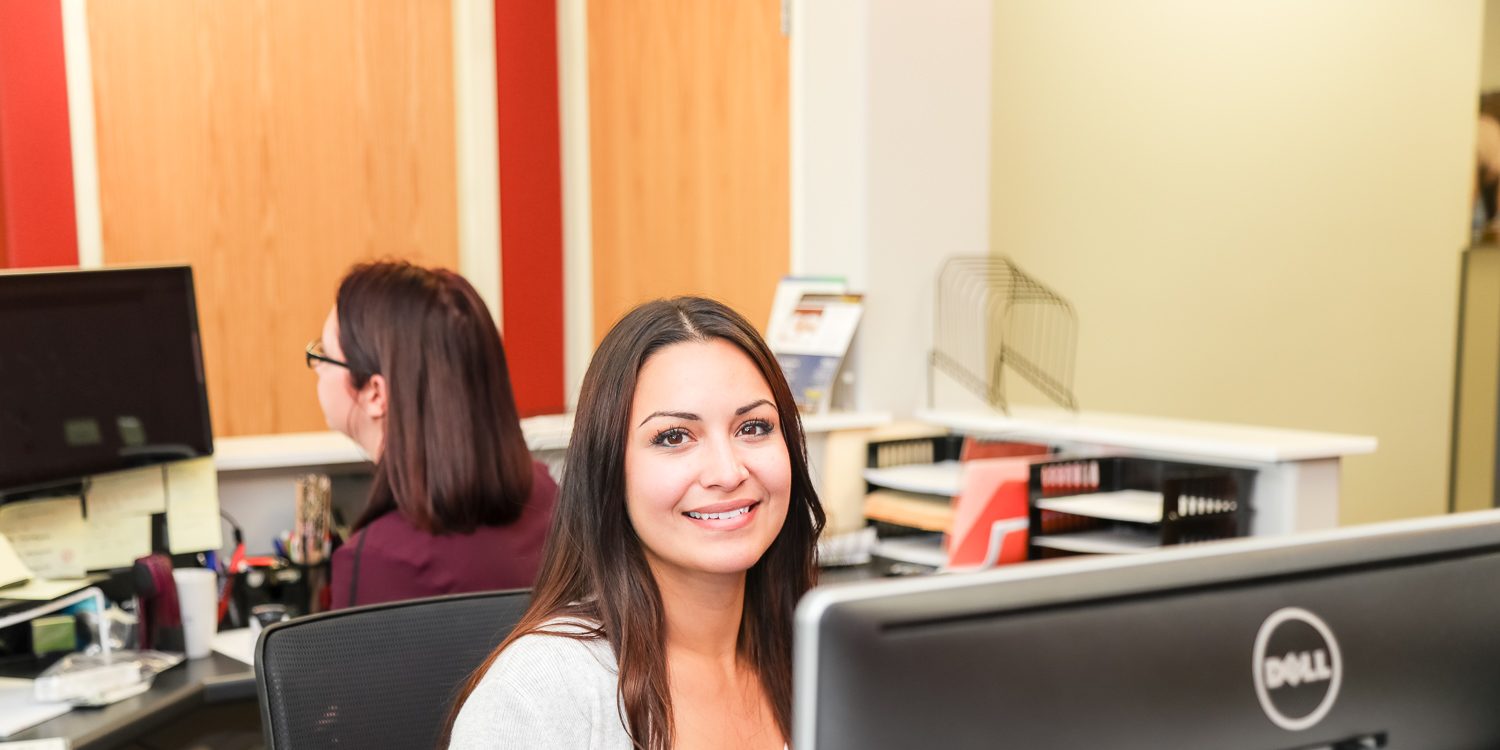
column 373, row 397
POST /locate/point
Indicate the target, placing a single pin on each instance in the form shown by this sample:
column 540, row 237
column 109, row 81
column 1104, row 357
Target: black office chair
column 379, row 676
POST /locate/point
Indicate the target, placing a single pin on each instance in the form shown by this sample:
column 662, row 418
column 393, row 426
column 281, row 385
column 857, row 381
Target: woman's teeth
column 719, row 516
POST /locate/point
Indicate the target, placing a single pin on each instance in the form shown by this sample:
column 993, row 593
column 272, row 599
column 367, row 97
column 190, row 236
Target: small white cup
column 198, row 596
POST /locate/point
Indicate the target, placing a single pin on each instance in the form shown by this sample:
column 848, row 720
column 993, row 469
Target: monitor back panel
column 1415, row 662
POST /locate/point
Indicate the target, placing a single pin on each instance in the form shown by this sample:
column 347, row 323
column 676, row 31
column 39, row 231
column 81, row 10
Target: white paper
column 193, row 506
column 1137, row 506
column 237, row 644
column 48, row 535
column 20, row 710
column 138, row 492
column 789, row 292
column 12, row 570
column 44, row 590
column 821, row 327
column 116, row 543
column 1107, row 542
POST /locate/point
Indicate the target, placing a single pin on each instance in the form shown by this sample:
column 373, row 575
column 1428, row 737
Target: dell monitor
column 1382, row 636
column 100, row 370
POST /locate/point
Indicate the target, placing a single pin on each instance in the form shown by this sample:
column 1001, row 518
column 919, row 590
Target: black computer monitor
column 1379, row 636
column 100, row 370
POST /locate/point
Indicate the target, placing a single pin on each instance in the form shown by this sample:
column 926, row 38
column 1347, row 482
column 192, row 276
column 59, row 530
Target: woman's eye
column 756, row 428
column 670, row 438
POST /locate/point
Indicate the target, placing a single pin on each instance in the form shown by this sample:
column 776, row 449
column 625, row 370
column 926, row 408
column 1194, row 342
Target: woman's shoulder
column 571, row 641
column 542, row 484
column 555, row 687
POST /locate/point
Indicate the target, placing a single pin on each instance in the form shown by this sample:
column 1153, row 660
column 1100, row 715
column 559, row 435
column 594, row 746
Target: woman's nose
column 722, row 466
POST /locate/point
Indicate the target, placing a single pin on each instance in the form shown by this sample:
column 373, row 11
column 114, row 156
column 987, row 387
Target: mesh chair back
column 379, row 676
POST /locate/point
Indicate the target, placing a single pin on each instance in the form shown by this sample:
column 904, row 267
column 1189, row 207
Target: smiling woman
column 684, row 535
column 707, row 478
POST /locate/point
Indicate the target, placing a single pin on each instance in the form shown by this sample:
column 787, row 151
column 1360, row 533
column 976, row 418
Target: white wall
column 578, row 257
column 1257, row 209
column 890, row 168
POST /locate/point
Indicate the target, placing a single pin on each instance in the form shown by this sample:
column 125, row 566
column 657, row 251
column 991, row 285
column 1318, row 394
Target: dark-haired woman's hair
column 454, row 457
column 594, row 567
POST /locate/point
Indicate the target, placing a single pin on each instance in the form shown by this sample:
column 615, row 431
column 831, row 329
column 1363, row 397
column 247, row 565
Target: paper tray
column 1134, row 506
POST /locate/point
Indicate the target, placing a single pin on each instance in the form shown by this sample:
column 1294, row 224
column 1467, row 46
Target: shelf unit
column 1127, row 504
column 1296, row 472
column 911, row 486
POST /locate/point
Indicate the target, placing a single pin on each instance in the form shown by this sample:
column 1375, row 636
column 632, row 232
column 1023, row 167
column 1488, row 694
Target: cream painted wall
column 1257, row 208
column 1489, row 68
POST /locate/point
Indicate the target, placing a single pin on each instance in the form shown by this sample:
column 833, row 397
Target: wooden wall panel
column 689, row 153
column 271, row 145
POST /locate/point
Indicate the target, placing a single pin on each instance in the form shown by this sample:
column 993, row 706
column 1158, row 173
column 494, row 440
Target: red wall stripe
column 36, row 161
column 530, row 201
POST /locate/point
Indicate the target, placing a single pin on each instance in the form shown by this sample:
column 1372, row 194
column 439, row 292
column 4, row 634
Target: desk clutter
column 64, row 644
column 954, row 502
column 92, row 655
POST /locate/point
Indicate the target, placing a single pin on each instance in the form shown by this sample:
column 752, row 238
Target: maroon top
column 400, row 561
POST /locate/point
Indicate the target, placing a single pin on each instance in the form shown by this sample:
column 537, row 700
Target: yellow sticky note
column 43, row 590
column 138, row 492
column 12, row 570
column 193, row 506
column 116, row 542
column 48, row 535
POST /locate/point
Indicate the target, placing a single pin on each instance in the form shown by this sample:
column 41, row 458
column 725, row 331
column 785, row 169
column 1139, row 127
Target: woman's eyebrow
column 688, row 416
column 683, row 415
column 747, row 407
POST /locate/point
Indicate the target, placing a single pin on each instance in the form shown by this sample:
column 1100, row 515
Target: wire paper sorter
column 991, row 314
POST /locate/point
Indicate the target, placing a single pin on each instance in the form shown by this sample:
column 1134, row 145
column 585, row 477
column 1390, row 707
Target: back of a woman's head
column 454, row 457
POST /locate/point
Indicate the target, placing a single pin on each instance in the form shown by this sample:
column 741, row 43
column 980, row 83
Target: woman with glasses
column 410, row 365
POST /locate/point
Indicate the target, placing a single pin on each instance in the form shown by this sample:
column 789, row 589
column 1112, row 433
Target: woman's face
column 336, row 394
column 707, row 477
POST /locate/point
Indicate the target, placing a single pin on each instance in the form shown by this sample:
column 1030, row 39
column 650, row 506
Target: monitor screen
column 100, row 370
column 1379, row 636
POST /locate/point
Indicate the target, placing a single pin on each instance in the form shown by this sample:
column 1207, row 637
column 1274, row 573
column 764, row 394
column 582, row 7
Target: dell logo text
column 1297, row 668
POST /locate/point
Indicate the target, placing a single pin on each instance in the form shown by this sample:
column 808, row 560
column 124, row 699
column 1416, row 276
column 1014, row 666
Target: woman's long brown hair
column 594, row 567
column 454, row 456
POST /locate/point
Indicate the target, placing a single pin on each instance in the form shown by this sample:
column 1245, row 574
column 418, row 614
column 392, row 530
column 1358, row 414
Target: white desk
column 1297, row 480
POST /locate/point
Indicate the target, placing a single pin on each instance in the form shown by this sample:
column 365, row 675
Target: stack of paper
column 924, row 512
column 20, row 710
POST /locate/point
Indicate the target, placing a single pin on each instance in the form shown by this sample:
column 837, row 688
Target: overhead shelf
column 1167, row 438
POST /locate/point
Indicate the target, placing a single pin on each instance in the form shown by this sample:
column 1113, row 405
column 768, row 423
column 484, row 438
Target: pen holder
column 292, row 585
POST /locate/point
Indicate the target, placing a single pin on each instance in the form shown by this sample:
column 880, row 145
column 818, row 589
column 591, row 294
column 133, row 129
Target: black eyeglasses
column 314, row 354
